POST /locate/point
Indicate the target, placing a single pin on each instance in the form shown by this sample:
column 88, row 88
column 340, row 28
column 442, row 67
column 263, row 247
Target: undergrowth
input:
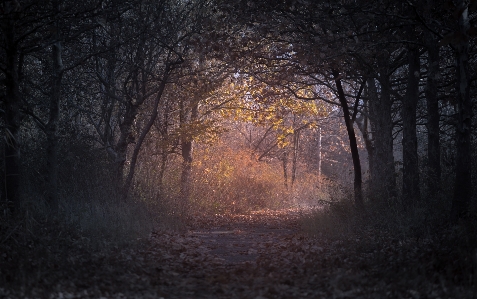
column 37, row 242
column 92, row 220
column 339, row 217
column 420, row 242
column 234, row 182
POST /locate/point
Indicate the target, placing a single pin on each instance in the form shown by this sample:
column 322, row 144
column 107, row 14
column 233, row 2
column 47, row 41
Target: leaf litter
column 261, row 255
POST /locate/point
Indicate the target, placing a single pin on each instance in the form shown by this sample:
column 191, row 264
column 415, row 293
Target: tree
column 432, row 101
column 358, row 192
column 60, row 11
column 463, row 167
column 411, row 192
column 13, row 30
column 143, row 50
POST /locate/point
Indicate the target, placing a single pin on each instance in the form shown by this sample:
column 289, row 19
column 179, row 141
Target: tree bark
column 285, row 169
column 319, row 157
column 410, row 188
column 162, row 171
column 132, row 165
column 107, row 75
column 51, row 128
column 358, row 191
column 13, row 118
column 138, row 85
column 432, row 100
column 363, row 125
column 121, row 148
column 296, row 143
column 463, row 167
column 186, row 151
column 382, row 169
column 163, row 129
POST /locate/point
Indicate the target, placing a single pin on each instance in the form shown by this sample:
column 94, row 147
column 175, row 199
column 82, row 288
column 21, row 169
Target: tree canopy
column 134, row 80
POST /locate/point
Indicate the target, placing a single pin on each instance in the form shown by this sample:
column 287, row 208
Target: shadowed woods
column 217, row 149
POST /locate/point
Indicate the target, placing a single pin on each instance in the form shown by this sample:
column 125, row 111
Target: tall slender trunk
column 121, row 148
column 138, row 84
column 162, row 171
column 382, row 169
column 285, row 169
column 296, row 143
column 358, row 190
column 319, row 156
column 163, row 129
column 363, row 125
column 107, row 108
column 13, row 119
column 410, row 188
column 107, row 76
column 51, row 128
column 463, row 167
column 145, row 130
column 433, row 143
column 186, row 151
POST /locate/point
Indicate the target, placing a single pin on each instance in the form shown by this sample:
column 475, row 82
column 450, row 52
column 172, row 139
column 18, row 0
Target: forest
column 238, row 149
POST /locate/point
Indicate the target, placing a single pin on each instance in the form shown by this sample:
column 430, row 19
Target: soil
column 238, row 239
column 259, row 255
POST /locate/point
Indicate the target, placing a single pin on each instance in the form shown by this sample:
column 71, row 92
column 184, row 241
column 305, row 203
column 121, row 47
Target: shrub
column 235, row 182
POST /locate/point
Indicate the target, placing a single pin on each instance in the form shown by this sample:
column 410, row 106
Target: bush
column 234, row 182
column 91, row 217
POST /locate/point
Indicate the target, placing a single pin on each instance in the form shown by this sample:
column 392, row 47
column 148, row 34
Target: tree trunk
column 285, row 169
column 382, row 169
column 51, row 128
column 107, row 108
column 433, row 143
column 116, row 148
column 319, row 157
column 358, row 191
column 463, row 167
column 163, row 129
column 162, row 171
column 185, row 175
column 363, row 125
column 296, row 140
column 144, row 132
column 187, row 147
column 410, row 188
column 121, row 148
column 13, row 119
column 138, row 81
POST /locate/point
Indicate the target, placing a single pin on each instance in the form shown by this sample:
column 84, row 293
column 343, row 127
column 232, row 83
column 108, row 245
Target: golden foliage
column 234, row 181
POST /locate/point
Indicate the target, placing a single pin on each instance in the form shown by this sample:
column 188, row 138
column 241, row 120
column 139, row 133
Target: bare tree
column 463, row 168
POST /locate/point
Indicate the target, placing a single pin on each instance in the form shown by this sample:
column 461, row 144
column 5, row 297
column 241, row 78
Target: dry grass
column 234, row 182
column 37, row 242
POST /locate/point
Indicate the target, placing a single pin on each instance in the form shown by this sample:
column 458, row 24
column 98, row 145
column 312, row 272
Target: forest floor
column 259, row 255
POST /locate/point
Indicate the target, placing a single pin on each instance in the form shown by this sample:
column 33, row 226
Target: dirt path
column 239, row 239
column 229, row 257
column 261, row 255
